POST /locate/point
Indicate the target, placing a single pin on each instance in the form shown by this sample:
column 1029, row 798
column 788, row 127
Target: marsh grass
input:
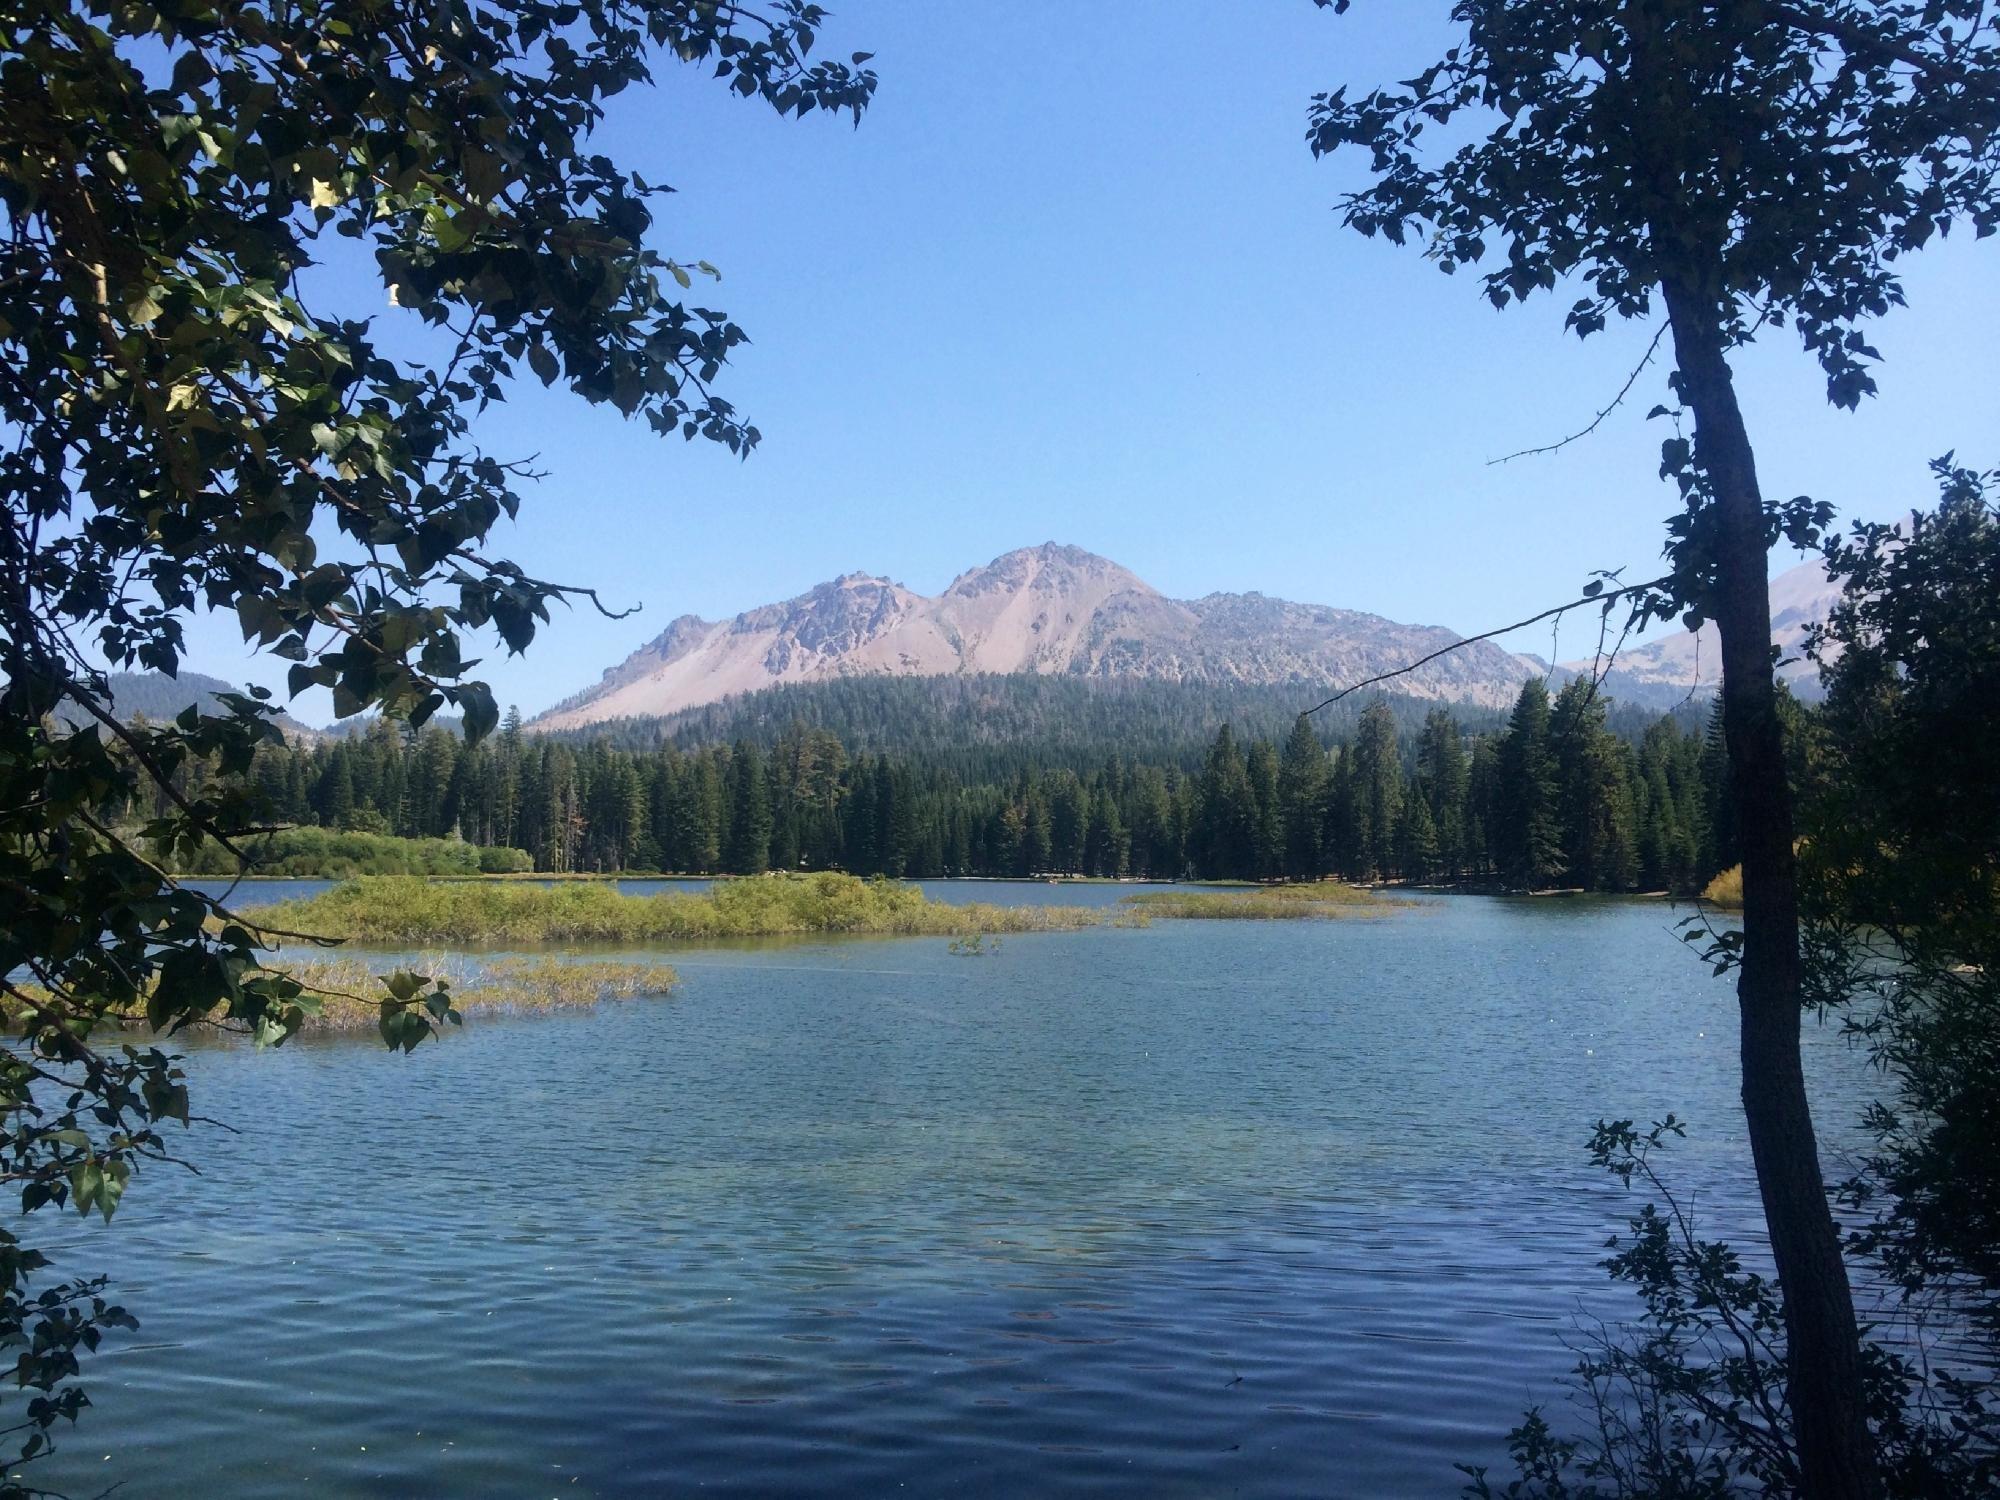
column 1265, row 903
column 349, row 993
column 408, row 910
column 345, row 994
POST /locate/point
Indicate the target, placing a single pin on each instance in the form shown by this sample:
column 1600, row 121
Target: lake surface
column 1253, row 1209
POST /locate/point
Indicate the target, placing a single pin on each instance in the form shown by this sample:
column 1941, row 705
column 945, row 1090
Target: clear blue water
column 1256, row 1209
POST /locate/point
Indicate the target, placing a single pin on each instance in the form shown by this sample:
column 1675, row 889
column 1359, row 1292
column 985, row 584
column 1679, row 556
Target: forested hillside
column 157, row 697
column 1550, row 797
column 988, row 727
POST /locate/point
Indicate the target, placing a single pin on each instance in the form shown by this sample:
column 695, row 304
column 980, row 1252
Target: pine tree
column 1069, row 814
column 1378, row 791
column 896, row 819
column 334, row 797
column 1444, row 775
column 1104, row 845
column 1346, row 818
column 1529, row 851
column 1267, row 830
column 1302, row 801
column 749, row 849
column 1719, row 850
column 1227, row 814
column 705, row 809
column 1593, row 801
column 1420, row 843
column 1036, row 843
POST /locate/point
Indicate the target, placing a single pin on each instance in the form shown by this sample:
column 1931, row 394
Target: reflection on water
column 1243, row 1208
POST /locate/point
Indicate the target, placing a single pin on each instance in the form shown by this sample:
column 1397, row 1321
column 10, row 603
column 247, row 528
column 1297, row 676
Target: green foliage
column 498, row 861
column 1908, row 815
column 155, row 696
column 1596, row 798
column 1903, row 888
column 1302, row 788
column 187, row 430
column 1690, row 1403
column 335, row 855
column 1528, row 817
column 1773, row 163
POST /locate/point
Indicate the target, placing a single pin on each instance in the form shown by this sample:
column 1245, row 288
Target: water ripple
column 1259, row 1210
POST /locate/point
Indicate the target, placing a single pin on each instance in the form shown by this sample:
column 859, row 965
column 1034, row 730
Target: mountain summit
column 1050, row 609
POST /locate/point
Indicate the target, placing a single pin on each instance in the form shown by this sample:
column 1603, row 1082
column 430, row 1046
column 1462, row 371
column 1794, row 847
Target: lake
column 1242, row 1208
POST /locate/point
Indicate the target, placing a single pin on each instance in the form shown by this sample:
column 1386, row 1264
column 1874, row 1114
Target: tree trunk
column 1824, row 1389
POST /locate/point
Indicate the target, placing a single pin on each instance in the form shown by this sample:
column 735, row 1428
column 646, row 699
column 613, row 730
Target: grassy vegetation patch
column 338, row 855
column 1265, row 903
column 406, row 910
column 1726, row 889
column 345, row 994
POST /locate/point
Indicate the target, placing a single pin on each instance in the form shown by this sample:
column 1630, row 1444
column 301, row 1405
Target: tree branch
column 1487, row 635
column 1598, row 420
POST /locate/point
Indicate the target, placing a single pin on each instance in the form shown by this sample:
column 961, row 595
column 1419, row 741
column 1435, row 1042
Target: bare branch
column 1598, row 420
column 1487, row 635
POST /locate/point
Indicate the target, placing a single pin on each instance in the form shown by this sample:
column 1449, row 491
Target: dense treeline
column 1550, row 798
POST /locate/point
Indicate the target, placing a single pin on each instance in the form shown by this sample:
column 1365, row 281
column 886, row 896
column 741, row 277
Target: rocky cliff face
column 1047, row 609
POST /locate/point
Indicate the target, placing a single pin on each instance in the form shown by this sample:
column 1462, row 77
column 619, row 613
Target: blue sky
column 1077, row 277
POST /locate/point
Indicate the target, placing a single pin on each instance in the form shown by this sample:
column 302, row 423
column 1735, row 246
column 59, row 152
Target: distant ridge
column 1051, row 610
column 158, row 697
column 1689, row 662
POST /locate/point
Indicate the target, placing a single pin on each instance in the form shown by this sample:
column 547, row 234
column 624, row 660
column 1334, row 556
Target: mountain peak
column 1049, row 567
column 1050, row 609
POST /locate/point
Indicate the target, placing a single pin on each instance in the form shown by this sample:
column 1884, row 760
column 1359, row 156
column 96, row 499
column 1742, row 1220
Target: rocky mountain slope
column 1043, row 610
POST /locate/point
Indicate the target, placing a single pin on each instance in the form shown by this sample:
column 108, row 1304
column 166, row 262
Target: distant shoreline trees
column 1555, row 798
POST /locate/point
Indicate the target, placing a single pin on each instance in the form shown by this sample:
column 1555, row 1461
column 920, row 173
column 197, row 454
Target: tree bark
column 1823, row 1378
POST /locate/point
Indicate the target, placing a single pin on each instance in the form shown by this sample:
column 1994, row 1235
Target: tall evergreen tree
column 749, row 851
column 1104, row 845
column 1419, row 855
column 1302, row 801
column 1529, row 848
column 1378, row 791
column 1589, row 793
column 1444, row 775
column 1267, row 831
column 1228, row 813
